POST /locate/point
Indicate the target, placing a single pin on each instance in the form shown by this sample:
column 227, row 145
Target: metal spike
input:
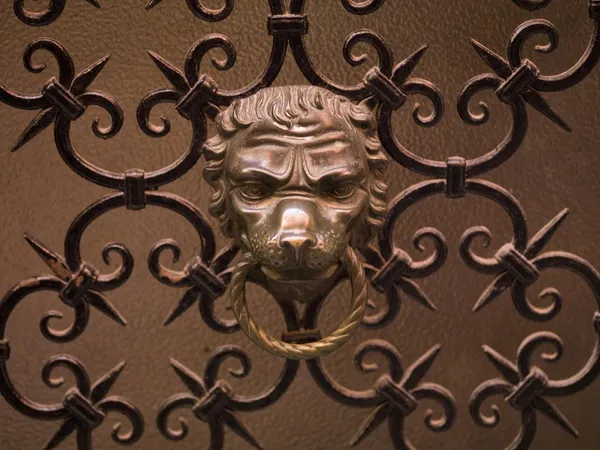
column 151, row 4
column 171, row 73
column 84, row 437
column 413, row 290
column 543, row 236
column 87, row 76
column 493, row 291
column 188, row 299
column 538, row 102
column 104, row 306
column 240, row 429
column 415, row 373
column 193, row 382
column 552, row 412
column 376, row 418
column 502, row 68
column 403, row 70
column 37, row 125
column 493, row 60
column 56, row 262
column 504, row 366
column 103, row 385
column 63, row 432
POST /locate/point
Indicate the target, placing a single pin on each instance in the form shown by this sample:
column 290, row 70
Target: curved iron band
column 248, row 403
column 34, row 284
column 224, row 97
column 587, row 375
column 216, row 426
column 397, row 419
column 359, row 91
column 202, row 390
column 66, row 74
column 477, row 166
column 532, row 5
column 426, row 189
column 362, row 7
column 350, row 397
column 568, row 78
column 7, row 389
column 118, row 404
column 210, row 14
column 116, row 200
column 114, row 180
column 516, row 213
column 44, row 17
column 300, row 351
column 497, row 386
column 396, row 207
column 40, row 18
column 184, row 401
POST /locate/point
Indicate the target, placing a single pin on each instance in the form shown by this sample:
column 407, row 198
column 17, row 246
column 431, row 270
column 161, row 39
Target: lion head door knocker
column 298, row 178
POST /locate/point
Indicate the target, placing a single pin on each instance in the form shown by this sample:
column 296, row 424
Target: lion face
column 296, row 195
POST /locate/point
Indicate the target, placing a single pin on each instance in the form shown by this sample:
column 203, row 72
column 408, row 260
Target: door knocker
column 297, row 173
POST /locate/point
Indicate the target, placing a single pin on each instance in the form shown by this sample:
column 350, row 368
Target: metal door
column 477, row 227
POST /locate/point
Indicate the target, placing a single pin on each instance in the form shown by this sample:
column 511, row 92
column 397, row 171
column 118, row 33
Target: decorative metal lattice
column 517, row 83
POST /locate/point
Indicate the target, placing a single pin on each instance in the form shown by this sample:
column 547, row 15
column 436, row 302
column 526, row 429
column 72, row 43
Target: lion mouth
column 296, row 275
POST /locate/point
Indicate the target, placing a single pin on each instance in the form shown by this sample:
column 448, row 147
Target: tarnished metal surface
column 298, row 178
column 387, row 87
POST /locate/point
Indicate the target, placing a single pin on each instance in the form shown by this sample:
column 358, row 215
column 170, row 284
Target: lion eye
column 343, row 190
column 254, row 192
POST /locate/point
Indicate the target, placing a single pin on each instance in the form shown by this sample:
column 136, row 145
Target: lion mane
column 285, row 105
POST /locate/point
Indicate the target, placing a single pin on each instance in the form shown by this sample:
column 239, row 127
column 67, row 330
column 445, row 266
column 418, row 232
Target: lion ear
column 370, row 102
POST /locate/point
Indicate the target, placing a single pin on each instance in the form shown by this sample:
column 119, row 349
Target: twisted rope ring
column 237, row 298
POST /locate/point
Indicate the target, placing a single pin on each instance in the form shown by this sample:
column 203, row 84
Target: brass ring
column 331, row 343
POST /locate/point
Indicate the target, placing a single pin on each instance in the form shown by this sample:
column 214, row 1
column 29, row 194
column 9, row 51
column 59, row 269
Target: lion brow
column 284, row 139
column 258, row 174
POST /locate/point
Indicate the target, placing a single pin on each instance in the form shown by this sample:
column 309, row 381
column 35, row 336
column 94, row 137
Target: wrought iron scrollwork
column 215, row 402
column 517, row 265
column 45, row 16
column 85, row 406
column 385, row 88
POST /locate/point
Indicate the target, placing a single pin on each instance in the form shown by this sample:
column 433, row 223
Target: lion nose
column 297, row 244
column 295, row 234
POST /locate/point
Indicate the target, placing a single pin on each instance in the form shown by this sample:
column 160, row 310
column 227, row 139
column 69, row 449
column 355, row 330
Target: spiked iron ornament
column 212, row 403
column 207, row 283
column 525, row 387
column 79, row 284
column 518, row 82
column 65, row 95
column 401, row 398
column 516, row 267
column 87, row 406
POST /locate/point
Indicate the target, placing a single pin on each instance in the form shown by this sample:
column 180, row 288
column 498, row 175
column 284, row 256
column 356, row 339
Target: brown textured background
column 552, row 170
